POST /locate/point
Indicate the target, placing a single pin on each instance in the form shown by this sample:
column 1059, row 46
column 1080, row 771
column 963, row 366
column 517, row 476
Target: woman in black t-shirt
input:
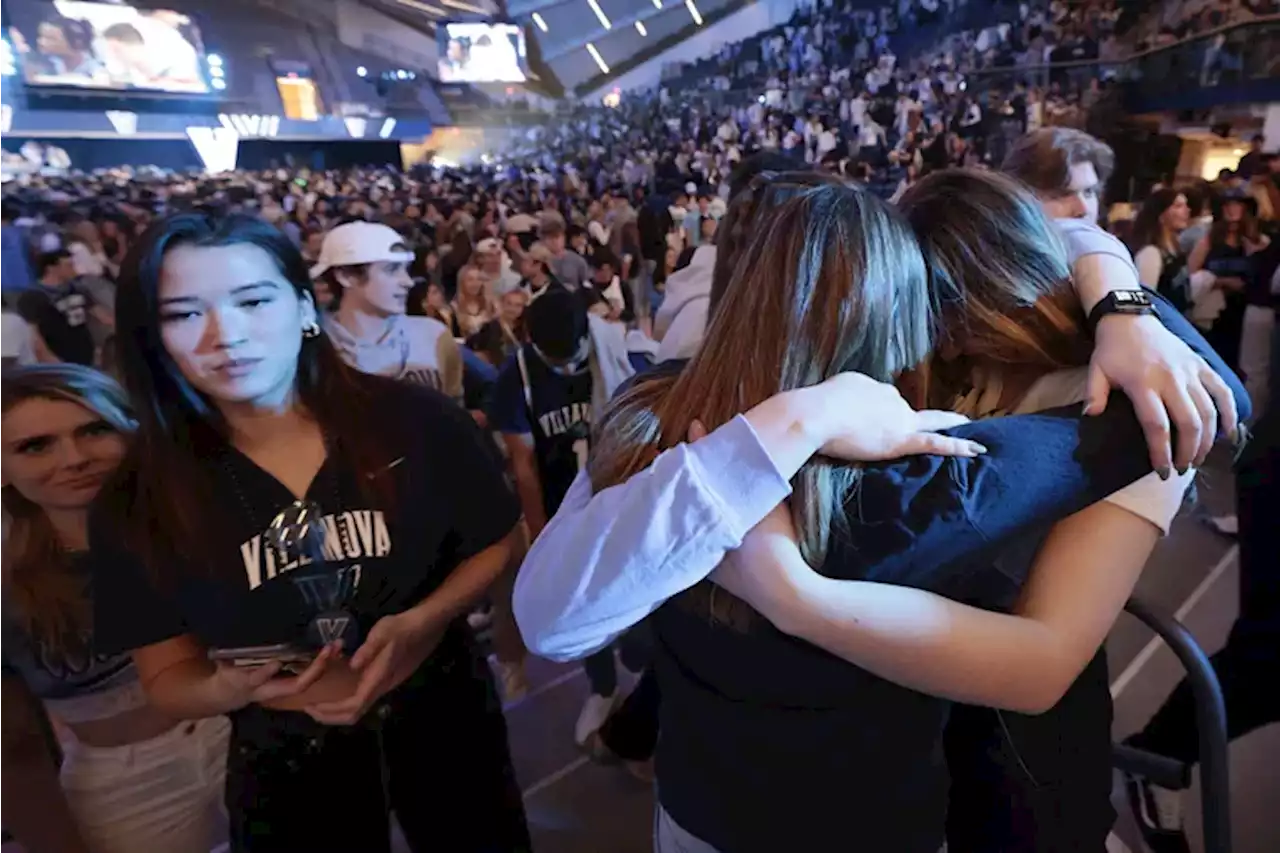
column 248, row 417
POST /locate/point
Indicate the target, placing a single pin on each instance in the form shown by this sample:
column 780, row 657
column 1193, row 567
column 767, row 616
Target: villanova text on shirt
column 561, row 420
column 351, row 535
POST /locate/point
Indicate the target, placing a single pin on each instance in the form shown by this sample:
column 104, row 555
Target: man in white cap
column 366, row 265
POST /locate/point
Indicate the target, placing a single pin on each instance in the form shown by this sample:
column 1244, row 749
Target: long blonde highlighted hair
column 49, row 600
column 829, row 279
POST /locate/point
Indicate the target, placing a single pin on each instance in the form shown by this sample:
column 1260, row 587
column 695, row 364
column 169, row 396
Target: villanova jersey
column 559, row 413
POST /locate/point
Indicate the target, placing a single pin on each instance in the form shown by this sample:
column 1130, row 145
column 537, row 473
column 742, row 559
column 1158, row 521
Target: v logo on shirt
column 332, row 628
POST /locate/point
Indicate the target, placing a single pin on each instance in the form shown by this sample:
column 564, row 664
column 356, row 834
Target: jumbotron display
column 472, row 52
column 99, row 46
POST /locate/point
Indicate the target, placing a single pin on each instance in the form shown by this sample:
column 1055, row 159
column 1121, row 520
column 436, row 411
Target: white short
column 164, row 794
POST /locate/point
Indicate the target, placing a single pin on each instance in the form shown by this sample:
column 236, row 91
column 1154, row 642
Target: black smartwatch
column 1121, row 302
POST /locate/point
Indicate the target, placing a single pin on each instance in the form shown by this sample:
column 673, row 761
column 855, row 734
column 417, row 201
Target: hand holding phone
column 265, row 682
column 292, row 658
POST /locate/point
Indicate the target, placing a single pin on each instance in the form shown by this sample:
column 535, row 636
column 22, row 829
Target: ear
column 308, row 314
column 345, row 279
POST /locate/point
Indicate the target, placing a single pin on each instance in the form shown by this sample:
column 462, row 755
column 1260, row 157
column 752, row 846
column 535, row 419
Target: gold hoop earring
column 311, row 330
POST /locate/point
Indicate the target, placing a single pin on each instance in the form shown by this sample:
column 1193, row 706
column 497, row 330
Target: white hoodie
column 682, row 319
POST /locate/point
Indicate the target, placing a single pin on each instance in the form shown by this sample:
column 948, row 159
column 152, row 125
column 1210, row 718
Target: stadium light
column 537, row 19
column 218, row 83
column 361, row 71
column 604, row 20
column 693, row 11
column 214, row 60
column 640, row 28
column 657, row 4
column 595, row 54
column 216, row 71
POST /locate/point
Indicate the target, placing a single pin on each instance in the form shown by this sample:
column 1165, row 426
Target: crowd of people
column 675, row 401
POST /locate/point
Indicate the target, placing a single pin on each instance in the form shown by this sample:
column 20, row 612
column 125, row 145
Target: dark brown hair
column 1000, row 273
column 1042, row 159
column 1147, row 230
column 162, row 502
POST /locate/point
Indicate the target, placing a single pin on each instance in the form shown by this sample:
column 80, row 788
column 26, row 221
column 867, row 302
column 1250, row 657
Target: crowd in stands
column 535, row 291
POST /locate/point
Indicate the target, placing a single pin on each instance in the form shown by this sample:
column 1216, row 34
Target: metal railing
column 1211, row 730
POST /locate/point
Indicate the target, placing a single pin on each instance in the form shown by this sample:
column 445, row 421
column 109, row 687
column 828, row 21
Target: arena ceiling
column 583, row 43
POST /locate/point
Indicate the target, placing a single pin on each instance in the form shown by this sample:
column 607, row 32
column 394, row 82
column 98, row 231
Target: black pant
column 1033, row 784
column 1248, row 667
column 631, row 732
column 435, row 752
column 635, row 648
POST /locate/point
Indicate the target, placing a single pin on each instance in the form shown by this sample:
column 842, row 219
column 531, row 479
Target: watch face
column 1134, row 298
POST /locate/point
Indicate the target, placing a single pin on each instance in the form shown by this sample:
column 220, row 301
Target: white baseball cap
column 361, row 243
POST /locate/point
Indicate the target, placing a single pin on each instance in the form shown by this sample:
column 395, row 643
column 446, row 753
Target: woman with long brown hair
column 797, row 786
column 474, row 305
column 285, row 543
column 131, row 778
column 1229, row 251
column 1013, row 339
column 1161, row 264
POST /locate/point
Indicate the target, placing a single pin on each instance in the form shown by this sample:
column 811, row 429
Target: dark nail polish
column 1163, row 472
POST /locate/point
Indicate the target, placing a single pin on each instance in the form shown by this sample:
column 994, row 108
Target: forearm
column 466, row 584
column 529, row 491
column 925, row 521
column 606, row 561
column 784, row 426
column 188, row 690
column 928, row 643
column 35, row 807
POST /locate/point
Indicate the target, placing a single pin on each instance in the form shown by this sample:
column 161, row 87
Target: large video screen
column 473, row 52
column 100, row 46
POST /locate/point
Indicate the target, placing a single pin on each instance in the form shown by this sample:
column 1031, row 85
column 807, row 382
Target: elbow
column 537, row 621
column 539, row 633
column 1041, row 693
column 546, row 630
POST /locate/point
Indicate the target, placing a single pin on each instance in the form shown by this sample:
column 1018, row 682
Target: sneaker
column 1158, row 812
column 1226, row 525
column 592, row 716
column 511, row 680
column 600, row 753
column 480, row 620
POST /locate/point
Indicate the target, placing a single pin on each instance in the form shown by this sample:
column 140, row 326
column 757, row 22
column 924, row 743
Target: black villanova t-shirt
column 451, row 502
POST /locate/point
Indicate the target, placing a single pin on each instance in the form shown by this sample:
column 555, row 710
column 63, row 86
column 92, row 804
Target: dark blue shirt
column 769, row 743
column 552, row 406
